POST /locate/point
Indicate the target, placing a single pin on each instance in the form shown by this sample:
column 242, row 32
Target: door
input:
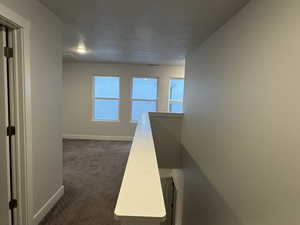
column 6, row 133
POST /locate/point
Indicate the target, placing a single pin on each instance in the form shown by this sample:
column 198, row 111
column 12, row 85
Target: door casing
column 5, row 174
column 22, row 159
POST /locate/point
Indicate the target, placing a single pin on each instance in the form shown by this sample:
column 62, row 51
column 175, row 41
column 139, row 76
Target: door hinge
column 11, row 130
column 13, row 204
column 8, row 52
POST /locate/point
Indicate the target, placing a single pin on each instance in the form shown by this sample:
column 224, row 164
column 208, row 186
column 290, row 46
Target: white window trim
column 104, row 98
column 142, row 99
column 171, row 100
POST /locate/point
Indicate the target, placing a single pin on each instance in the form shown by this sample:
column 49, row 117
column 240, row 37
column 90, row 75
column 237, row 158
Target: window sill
column 110, row 121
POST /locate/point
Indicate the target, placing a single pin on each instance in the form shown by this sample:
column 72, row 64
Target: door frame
column 23, row 118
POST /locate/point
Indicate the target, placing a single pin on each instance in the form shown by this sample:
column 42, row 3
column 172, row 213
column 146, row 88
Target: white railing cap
column 140, row 196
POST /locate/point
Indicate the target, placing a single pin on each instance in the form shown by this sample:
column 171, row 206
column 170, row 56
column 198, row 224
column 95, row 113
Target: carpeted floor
column 93, row 172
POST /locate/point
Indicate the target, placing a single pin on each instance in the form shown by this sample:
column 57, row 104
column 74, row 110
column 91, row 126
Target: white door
column 5, row 168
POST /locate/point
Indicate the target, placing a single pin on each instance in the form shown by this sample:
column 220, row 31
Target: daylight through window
column 176, row 95
column 106, row 97
column 144, row 96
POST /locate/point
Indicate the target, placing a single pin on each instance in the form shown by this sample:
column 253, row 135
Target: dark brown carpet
column 93, row 172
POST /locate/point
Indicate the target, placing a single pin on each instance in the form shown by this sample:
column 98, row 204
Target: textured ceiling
column 139, row 31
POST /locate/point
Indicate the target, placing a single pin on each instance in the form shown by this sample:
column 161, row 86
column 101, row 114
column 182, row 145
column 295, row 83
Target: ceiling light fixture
column 81, row 50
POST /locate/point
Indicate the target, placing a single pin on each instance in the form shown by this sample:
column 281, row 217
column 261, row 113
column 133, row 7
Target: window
column 144, row 96
column 176, row 95
column 106, row 97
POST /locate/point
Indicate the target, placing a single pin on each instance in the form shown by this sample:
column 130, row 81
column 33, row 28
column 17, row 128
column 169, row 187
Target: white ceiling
column 139, row 31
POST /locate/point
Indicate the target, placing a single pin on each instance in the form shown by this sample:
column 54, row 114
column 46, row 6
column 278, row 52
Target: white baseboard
column 37, row 218
column 97, row 137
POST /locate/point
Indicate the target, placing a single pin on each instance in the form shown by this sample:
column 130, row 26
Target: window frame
column 104, row 98
column 169, row 95
column 142, row 99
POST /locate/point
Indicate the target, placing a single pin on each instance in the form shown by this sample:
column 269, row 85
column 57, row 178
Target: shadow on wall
column 166, row 132
column 202, row 203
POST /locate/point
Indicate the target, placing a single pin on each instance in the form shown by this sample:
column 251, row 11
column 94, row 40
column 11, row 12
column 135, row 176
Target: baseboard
column 97, row 137
column 37, row 218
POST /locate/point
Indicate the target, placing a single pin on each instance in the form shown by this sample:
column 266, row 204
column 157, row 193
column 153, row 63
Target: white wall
column 77, row 85
column 46, row 84
column 166, row 132
column 242, row 122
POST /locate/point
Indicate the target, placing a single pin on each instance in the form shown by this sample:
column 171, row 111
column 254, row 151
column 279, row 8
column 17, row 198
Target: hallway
column 149, row 113
column 93, row 173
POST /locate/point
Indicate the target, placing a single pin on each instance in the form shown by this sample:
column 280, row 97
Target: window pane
column 144, row 88
column 106, row 87
column 176, row 89
column 106, row 109
column 176, row 107
column 138, row 107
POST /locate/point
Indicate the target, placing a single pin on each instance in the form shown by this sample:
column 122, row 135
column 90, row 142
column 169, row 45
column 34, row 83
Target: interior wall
column 241, row 124
column 46, row 84
column 77, row 86
column 166, row 131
